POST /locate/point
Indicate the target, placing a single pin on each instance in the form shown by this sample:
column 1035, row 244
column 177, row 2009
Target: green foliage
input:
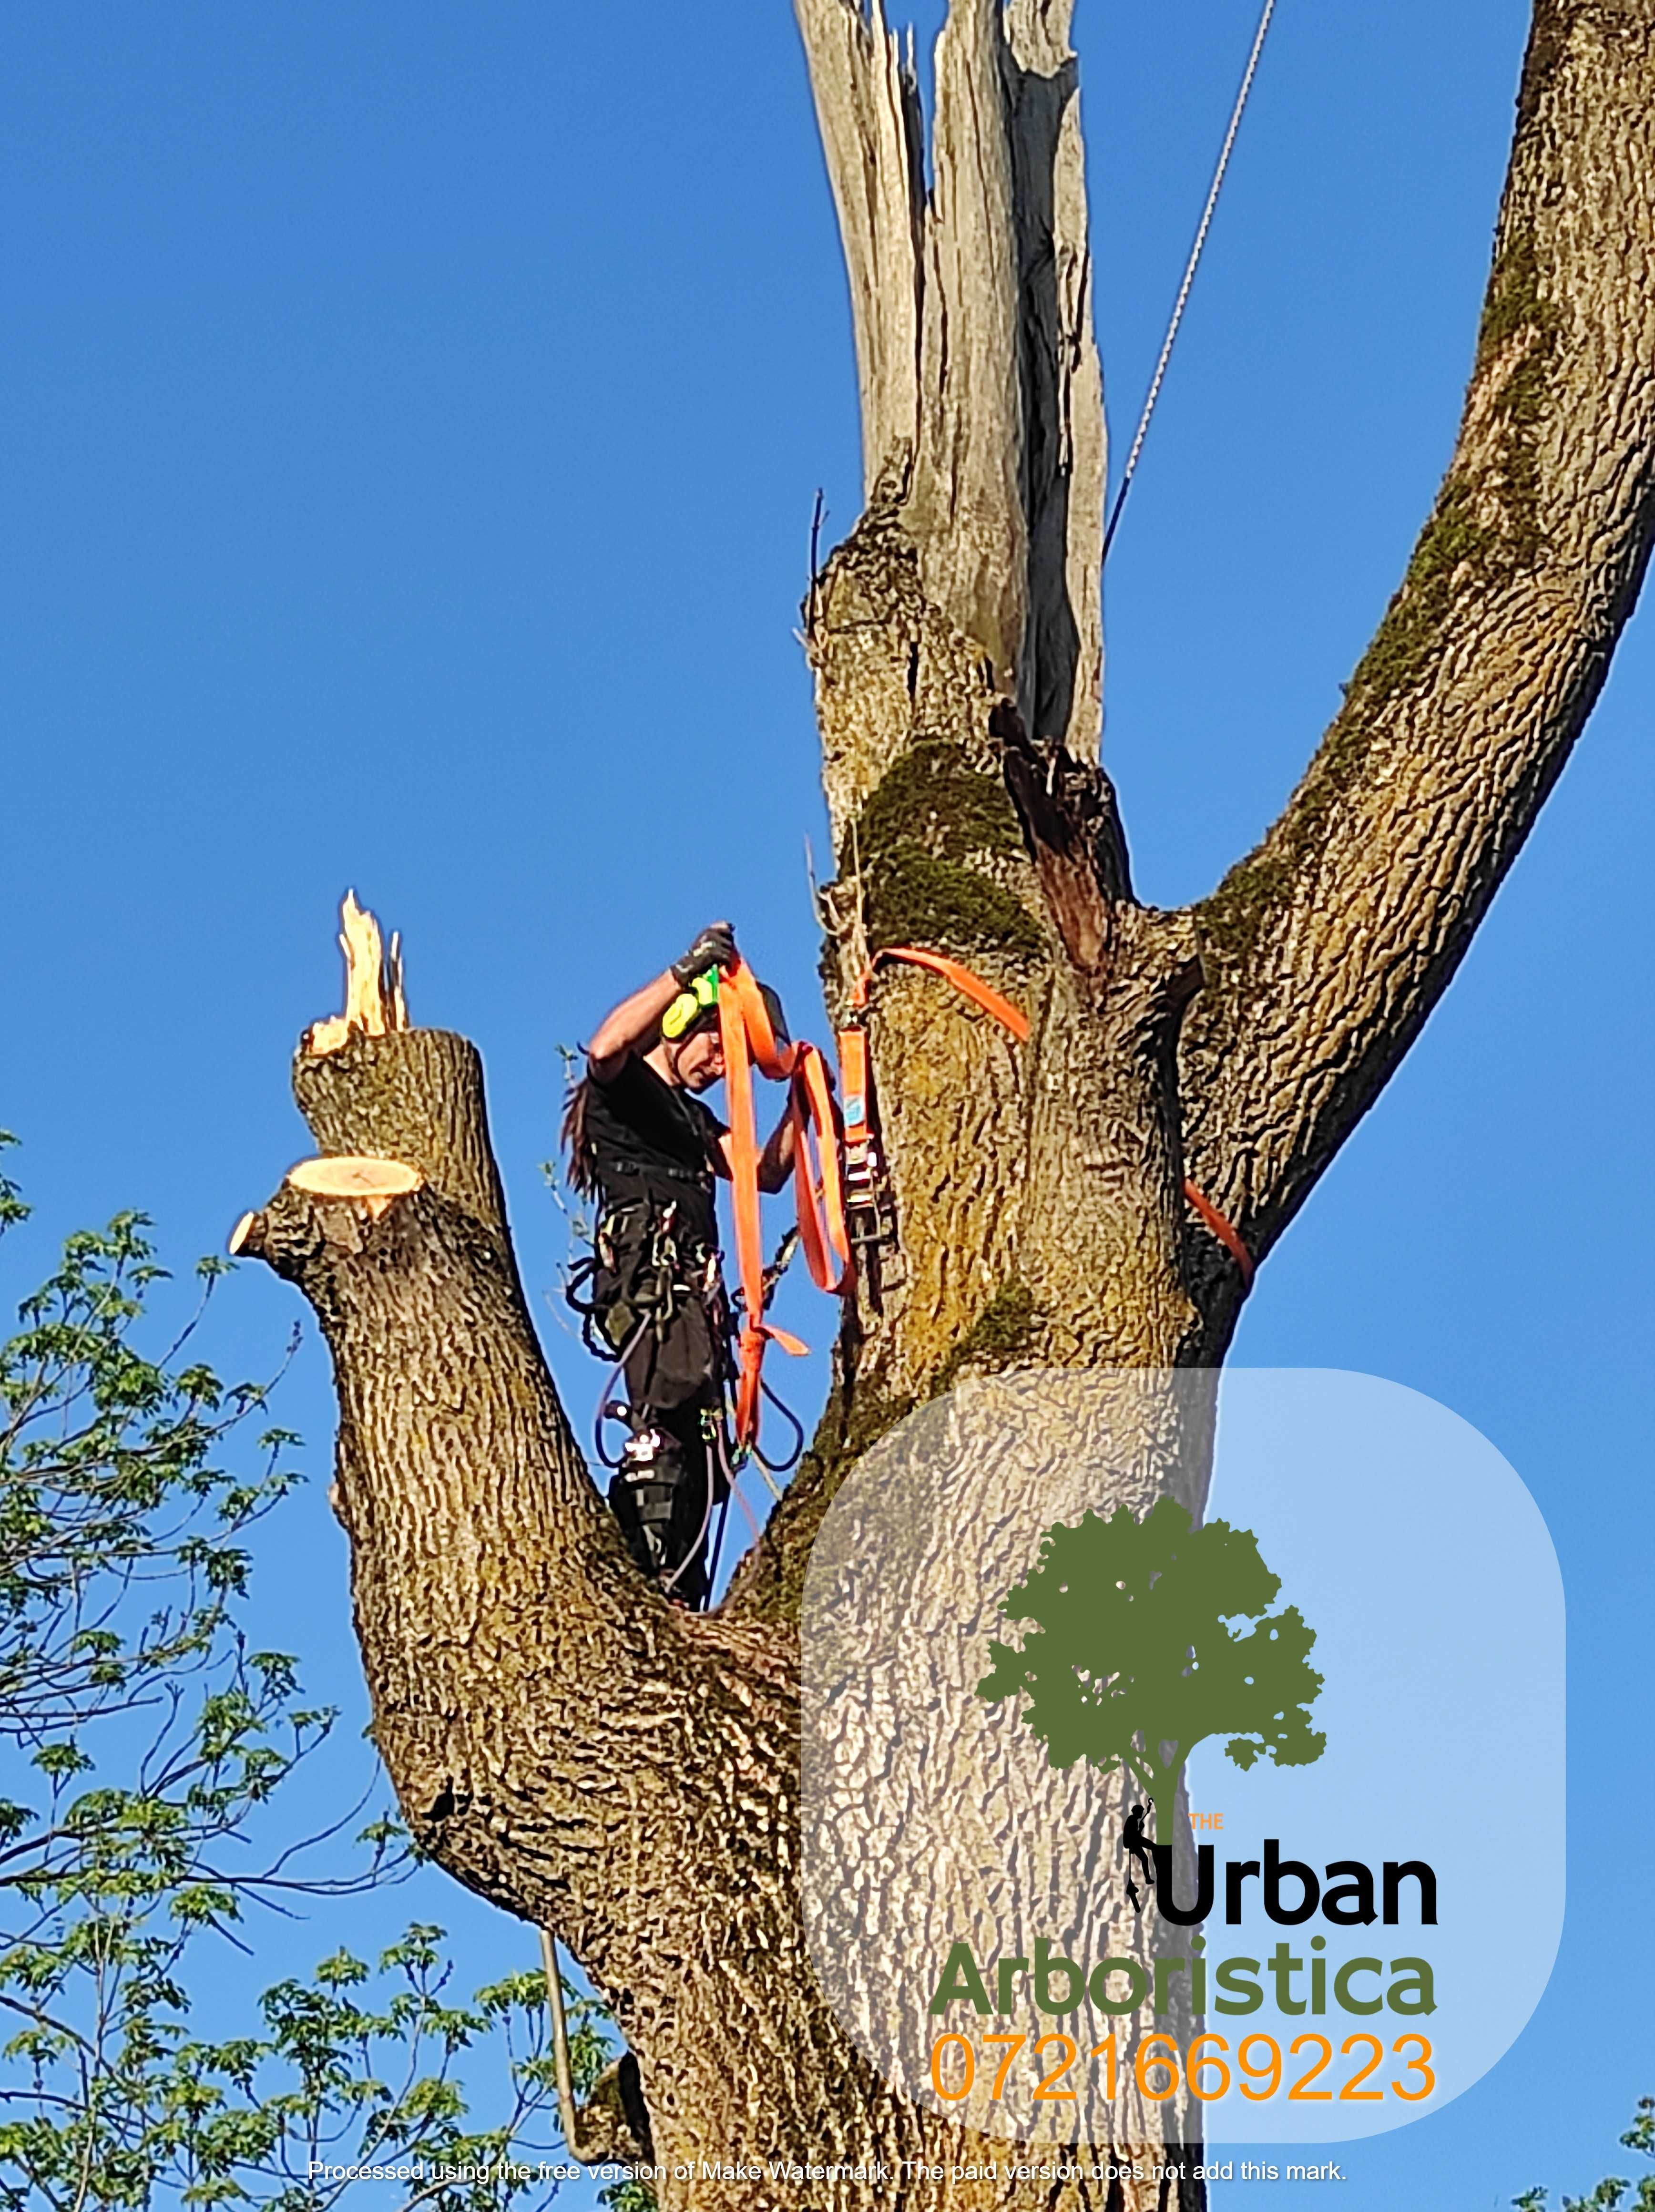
column 1005, row 1330
column 353, row 2069
column 1610, row 2193
column 142, row 1740
column 1134, row 1660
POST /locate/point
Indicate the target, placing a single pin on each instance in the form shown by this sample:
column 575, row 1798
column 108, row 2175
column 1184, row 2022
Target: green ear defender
column 691, row 1007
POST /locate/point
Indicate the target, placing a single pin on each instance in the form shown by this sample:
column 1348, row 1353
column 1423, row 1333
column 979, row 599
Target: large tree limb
column 561, row 1739
column 1326, row 949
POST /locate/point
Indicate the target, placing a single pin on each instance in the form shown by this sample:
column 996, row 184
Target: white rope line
column 1155, row 382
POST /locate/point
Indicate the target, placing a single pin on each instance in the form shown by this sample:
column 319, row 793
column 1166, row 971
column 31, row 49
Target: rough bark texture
column 562, row 1741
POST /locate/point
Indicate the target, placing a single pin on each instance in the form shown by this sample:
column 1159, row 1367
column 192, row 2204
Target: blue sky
column 412, row 418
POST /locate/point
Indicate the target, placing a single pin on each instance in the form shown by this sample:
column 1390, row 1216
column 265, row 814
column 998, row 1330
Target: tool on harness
column 652, row 1307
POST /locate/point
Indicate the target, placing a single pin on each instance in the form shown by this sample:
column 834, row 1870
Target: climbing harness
column 1190, row 268
column 643, row 1286
column 643, row 1291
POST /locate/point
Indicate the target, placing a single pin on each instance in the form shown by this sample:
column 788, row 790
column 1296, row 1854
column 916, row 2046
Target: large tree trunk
column 561, row 1740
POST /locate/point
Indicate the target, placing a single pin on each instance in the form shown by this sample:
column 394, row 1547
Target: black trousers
column 674, row 1376
column 699, row 1493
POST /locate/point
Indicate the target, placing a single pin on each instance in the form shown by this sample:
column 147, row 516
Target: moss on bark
column 1006, row 1330
column 923, row 840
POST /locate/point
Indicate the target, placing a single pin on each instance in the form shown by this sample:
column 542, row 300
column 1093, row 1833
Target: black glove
column 714, row 948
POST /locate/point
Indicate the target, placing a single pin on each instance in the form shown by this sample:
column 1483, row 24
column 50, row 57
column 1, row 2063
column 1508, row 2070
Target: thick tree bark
column 561, row 1740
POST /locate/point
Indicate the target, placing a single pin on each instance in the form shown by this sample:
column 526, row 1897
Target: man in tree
column 1136, row 1846
column 640, row 1140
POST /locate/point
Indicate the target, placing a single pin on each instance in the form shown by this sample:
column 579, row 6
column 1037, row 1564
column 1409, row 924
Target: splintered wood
column 374, row 1004
column 981, row 392
column 373, row 1183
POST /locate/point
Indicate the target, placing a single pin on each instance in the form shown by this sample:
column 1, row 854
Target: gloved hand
column 714, row 948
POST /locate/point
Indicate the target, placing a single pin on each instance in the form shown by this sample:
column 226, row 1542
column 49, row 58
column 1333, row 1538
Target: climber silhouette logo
column 1147, row 1638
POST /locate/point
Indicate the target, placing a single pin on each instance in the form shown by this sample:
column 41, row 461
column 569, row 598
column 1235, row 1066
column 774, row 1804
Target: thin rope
column 1193, row 264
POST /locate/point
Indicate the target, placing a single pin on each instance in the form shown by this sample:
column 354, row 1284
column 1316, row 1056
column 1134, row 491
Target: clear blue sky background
column 410, row 421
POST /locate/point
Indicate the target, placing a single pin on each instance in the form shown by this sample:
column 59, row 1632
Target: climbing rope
column 1190, row 266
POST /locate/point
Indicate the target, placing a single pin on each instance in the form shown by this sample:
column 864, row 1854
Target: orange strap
column 854, row 1102
column 968, row 986
column 1226, row 1231
column 818, row 1178
column 750, row 1041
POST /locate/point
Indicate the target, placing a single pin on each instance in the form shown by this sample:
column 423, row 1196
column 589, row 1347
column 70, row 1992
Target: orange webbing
column 1227, row 1235
column 744, row 1199
column 750, row 1041
column 968, row 986
column 853, row 1083
column 818, row 1181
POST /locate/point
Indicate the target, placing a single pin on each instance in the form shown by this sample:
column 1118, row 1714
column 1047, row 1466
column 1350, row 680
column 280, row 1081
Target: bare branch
column 868, row 109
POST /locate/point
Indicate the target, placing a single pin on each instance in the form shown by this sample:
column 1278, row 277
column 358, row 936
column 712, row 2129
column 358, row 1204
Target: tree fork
column 563, row 1739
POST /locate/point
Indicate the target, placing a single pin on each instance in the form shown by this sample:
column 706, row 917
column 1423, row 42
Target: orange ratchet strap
column 748, row 1042
column 968, row 986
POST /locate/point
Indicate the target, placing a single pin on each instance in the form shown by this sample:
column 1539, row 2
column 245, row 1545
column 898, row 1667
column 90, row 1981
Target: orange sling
column 749, row 1042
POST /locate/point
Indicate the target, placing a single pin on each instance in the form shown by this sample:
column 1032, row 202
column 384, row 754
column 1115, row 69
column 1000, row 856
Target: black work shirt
column 653, row 1141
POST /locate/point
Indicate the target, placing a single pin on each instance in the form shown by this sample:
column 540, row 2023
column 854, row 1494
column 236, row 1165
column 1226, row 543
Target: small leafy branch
column 142, row 1742
column 349, row 2070
column 1612, row 2190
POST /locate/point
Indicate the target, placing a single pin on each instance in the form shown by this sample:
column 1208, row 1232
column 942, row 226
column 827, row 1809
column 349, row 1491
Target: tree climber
column 641, row 1142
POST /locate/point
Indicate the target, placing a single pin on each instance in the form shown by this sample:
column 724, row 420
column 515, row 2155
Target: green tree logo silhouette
column 1135, row 1660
